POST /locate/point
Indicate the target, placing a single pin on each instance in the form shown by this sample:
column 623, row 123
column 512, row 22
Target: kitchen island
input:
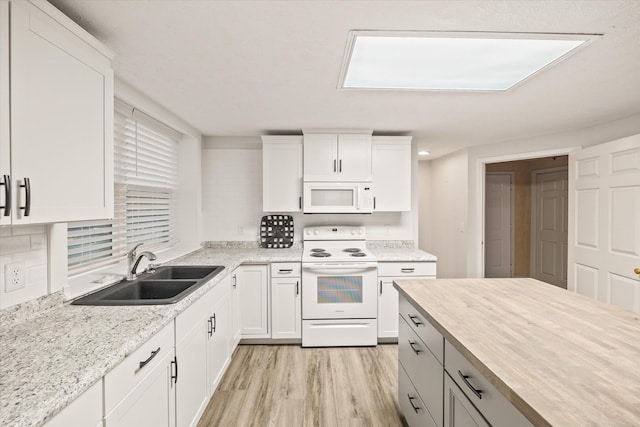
column 559, row 358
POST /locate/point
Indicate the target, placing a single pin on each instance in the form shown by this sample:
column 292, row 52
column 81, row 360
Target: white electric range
column 339, row 292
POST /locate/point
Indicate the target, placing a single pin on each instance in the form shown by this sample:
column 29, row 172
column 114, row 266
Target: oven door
column 339, row 290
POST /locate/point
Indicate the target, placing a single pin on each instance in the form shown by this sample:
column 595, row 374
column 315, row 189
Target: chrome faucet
column 133, row 260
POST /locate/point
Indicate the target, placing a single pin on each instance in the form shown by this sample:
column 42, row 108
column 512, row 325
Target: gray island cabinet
column 514, row 352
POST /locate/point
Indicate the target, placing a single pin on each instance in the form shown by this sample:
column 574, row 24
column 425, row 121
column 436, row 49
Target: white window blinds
column 145, row 167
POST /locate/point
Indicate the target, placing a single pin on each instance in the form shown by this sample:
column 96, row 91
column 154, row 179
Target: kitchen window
column 146, row 180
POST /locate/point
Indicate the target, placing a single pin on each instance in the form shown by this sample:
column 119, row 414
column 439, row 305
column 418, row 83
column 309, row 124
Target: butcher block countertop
column 560, row 358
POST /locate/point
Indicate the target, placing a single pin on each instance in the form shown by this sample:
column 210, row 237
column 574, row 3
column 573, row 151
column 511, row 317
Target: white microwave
column 338, row 197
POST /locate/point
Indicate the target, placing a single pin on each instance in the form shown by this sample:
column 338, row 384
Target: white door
column 254, row 298
column 286, row 316
column 549, row 230
column 320, row 156
column 354, row 157
column 604, row 209
column 498, row 226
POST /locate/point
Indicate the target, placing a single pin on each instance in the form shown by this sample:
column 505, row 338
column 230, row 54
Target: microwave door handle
column 357, row 197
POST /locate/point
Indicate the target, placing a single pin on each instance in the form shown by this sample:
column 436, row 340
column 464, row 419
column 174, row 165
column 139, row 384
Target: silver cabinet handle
column 475, row 391
column 411, row 399
column 149, row 359
column 414, row 321
column 7, row 195
column 408, row 270
column 416, row 350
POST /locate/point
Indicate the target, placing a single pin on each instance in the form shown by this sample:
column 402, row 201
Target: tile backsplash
column 28, row 244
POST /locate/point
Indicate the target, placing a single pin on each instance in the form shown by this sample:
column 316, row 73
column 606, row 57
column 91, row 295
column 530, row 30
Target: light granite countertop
column 52, row 351
column 560, row 358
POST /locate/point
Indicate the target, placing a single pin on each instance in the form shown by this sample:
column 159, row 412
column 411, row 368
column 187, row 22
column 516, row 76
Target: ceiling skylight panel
column 434, row 61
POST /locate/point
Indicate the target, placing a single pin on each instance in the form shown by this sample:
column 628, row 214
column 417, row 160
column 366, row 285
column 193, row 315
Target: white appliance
column 338, row 197
column 339, row 292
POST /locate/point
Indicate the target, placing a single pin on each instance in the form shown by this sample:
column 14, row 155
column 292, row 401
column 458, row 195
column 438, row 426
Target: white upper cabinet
column 337, row 157
column 282, row 173
column 392, row 173
column 56, row 118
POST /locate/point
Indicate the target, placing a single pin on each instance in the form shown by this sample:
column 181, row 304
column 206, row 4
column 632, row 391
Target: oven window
column 339, row 289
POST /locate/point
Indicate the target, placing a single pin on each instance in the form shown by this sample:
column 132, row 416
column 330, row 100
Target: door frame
column 534, row 211
column 480, row 190
column 511, row 214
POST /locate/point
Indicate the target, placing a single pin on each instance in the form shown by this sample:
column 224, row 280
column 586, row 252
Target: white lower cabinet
column 140, row 391
column 286, row 301
column 420, row 349
column 493, row 406
column 458, row 410
column 191, row 353
column 236, row 316
column 388, row 295
column 219, row 334
column 253, row 281
column 413, row 408
column 86, row 410
column 438, row 385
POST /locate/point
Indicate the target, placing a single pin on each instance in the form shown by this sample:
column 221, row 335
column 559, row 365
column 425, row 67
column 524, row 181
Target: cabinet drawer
column 424, row 370
column 411, row 405
column 491, row 403
column 285, row 269
column 135, row 367
column 421, row 326
column 407, row 269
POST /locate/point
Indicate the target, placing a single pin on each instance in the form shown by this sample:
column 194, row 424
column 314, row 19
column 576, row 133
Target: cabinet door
column 219, row 331
column 354, row 157
column 86, row 410
column 321, row 157
column 5, row 134
column 387, row 308
column 192, row 385
column 286, row 304
column 151, row 403
column 236, row 318
column 281, row 174
column 458, row 410
column 61, row 121
column 392, row 173
column 254, row 300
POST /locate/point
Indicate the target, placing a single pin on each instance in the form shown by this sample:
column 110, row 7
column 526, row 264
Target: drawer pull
column 411, row 399
column 415, row 322
column 475, row 391
column 416, row 350
column 285, row 271
column 408, row 270
column 7, row 195
column 174, row 362
column 145, row 362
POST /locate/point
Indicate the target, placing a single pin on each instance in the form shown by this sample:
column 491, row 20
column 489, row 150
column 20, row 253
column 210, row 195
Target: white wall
column 28, row 244
column 448, row 213
column 443, row 222
column 424, row 200
column 232, row 198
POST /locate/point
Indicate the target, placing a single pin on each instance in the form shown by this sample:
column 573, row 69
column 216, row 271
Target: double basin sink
column 166, row 285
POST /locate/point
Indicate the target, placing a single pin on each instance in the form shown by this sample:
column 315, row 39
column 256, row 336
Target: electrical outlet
column 14, row 276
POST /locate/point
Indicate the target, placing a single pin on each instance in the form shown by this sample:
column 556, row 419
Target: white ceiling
column 243, row 68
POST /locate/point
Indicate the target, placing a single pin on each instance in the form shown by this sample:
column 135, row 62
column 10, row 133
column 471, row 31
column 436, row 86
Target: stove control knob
column 359, row 231
column 353, row 232
column 315, row 232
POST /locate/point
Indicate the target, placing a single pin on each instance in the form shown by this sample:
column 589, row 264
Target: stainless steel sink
column 167, row 285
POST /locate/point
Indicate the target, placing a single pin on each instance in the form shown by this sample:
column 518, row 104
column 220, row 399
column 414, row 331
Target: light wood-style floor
column 291, row 386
